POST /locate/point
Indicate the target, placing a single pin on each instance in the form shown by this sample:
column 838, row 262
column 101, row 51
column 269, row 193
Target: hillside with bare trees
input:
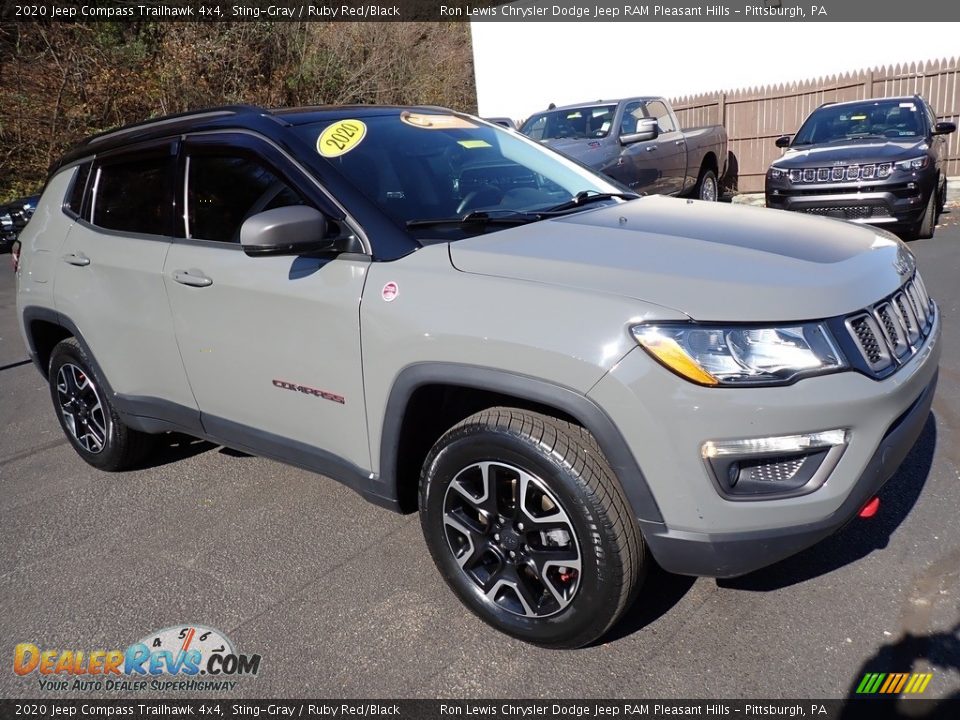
column 63, row 81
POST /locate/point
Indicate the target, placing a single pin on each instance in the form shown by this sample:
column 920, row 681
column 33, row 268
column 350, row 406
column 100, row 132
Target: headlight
column 733, row 356
column 915, row 164
column 778, row 174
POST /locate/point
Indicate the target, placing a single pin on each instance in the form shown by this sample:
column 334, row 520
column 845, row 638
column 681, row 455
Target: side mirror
column 944, row 128
column 647, row 129
column 783, row 141
column 293, row 230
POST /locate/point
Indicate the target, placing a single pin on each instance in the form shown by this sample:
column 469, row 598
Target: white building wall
column 522, row 67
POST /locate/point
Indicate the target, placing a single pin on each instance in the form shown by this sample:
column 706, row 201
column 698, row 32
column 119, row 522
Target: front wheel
column 528, row 526
column 89, row 421
column 923, row 229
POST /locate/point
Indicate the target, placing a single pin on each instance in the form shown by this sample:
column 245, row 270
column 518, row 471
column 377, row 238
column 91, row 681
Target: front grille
column 842, row 173
column 849, row 212
column 888, row 333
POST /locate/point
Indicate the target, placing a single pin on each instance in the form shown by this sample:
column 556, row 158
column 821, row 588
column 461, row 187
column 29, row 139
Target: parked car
column 13, row 218
column 638, row 142
column 564, row 378
column 503, row 122
column 877, row 161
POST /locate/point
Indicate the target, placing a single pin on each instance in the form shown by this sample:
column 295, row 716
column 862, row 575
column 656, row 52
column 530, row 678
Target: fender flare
column 571, row 402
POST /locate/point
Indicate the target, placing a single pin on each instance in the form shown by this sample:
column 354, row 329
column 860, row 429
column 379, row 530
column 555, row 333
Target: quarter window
column 75, row 199
column 223, row 191
column 134, row 196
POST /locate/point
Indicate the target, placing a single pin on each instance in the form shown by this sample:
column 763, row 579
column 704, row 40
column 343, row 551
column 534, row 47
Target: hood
column 711, row 261
column 847, row 152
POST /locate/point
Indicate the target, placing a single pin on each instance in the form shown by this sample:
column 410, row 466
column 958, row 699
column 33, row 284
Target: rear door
column 109, row 278
column 671, row 154
column 271, row 345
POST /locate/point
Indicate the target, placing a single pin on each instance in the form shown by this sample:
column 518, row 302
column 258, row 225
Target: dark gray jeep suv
column 877, row 161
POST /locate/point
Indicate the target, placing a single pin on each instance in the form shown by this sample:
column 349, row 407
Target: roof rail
column 173, row 119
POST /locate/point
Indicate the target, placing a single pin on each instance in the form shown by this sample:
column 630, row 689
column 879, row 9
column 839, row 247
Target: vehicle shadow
column 859, row 538
column 661, row 591
column 173, row 447
column 940, row 649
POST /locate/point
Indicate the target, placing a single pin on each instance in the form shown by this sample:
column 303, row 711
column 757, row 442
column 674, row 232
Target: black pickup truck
column 877, row 161
column 638, row 142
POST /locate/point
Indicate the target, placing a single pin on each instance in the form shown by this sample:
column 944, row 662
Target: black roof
column 223, row 118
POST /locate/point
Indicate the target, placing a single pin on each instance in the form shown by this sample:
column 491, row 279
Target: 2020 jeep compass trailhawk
column 564, row 378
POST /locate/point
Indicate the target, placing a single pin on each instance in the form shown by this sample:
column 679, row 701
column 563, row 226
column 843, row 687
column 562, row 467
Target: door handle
column 78, row 259
column 651, row 148
column 193, row 278
column 678, row 142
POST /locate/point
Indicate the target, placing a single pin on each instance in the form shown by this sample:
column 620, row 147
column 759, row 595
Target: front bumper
column 894, row 203
column 665, row 420
column 738, row 553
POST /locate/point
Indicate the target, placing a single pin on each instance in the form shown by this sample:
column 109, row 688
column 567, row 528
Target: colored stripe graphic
column 894, row 683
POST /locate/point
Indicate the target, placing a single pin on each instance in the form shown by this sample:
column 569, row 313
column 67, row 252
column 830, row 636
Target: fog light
column 777, row 466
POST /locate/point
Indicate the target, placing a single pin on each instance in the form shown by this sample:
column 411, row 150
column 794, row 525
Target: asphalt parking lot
column 341, row 599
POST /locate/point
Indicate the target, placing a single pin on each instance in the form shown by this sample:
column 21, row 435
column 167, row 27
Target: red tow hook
column 870, row 509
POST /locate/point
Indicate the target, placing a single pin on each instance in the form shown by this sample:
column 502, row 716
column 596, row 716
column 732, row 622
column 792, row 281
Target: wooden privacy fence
column 756, row 117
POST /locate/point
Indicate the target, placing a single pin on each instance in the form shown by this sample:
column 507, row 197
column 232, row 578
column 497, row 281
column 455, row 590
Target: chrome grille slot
column 919, row 307
column 893, row 330
column 924, row 295
column 907, row 317
column 868, row 336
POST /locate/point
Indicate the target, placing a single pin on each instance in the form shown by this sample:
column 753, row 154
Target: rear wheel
column 707, row 186
column 527, row 525
column 89, row 421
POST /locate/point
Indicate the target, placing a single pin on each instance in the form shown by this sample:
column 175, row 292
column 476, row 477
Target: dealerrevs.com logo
column 184, row 657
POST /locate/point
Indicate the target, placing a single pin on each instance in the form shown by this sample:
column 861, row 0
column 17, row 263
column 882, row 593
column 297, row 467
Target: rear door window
column 134, row 194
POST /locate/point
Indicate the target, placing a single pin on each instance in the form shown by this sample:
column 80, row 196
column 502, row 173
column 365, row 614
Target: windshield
column 423, row 166
column 871, row 119
column 576, row 123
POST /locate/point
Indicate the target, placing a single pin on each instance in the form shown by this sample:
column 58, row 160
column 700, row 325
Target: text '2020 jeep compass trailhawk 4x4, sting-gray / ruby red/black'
column 565, row 379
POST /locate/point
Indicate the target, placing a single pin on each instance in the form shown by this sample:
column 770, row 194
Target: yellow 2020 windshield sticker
column 340, row 138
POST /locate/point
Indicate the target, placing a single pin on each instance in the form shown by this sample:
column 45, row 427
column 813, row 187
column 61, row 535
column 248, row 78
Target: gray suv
column 566, row 380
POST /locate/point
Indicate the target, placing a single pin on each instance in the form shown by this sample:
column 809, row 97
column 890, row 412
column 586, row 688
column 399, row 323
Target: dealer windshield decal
column 341, row 137
column 182, row 657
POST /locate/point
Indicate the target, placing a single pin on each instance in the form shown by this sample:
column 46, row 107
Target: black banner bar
column 481, row 11
column 852, row 709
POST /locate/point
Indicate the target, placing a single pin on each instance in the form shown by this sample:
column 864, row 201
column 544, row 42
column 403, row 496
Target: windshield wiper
column 584, row 197
column 480, row 218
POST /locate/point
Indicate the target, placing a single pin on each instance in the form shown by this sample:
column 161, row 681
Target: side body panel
column 41, row 242
column 273, row 344
column 525, row 329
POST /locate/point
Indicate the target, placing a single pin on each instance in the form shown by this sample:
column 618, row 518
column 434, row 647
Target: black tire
column 87, row 417
column 942, row 198
column 923, row 229
column 707, row 187
column 542, row 486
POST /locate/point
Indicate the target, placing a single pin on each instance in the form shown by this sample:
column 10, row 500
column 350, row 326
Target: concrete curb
column 953, row 195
